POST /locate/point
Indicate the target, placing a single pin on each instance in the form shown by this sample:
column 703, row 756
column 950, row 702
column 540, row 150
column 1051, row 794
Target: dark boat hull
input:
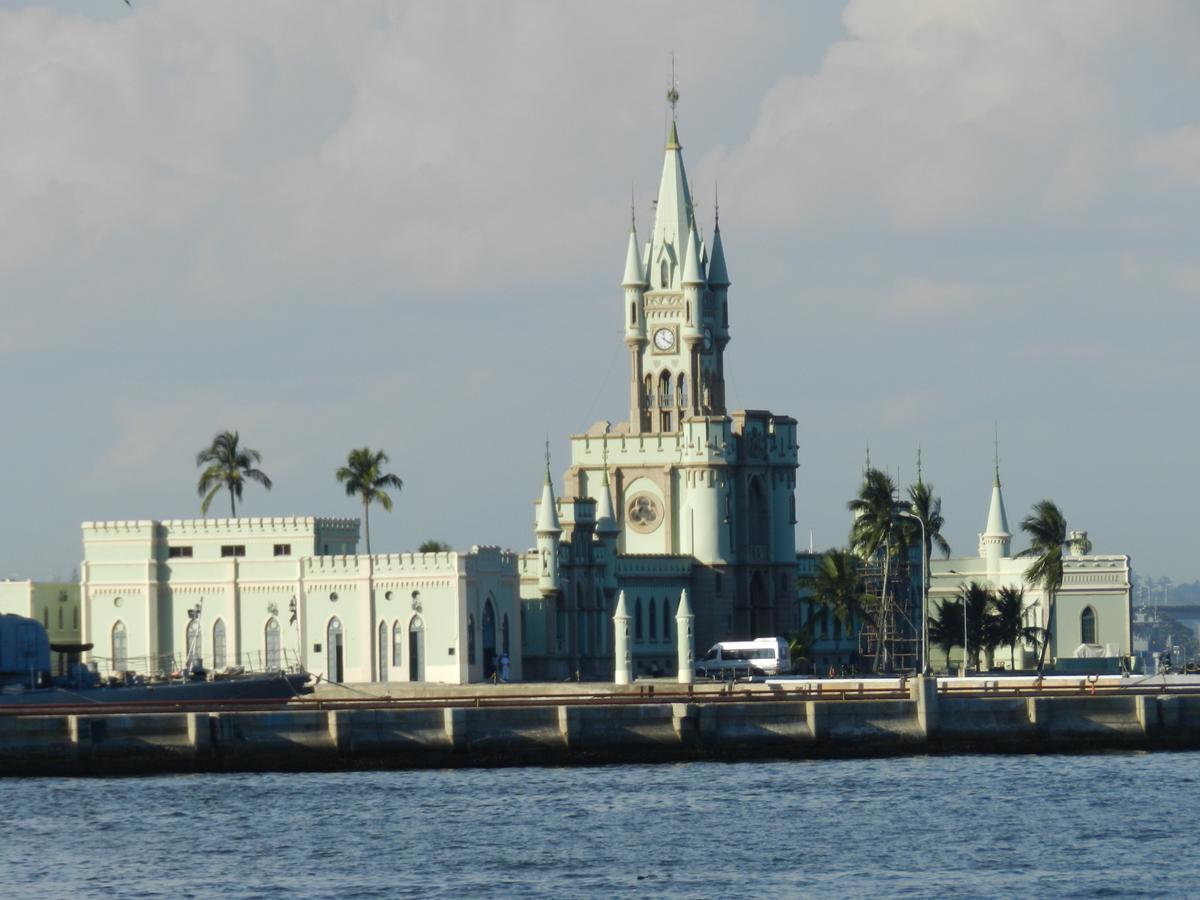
column 237, row 688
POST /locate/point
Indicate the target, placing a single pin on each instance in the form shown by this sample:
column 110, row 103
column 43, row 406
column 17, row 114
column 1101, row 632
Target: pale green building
column 267, row 593
column 1092, row 610
column 683, row 494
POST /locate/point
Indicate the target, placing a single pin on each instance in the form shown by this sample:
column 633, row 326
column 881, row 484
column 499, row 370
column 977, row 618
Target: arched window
column 649, row 392
column 653, row 620
column 1087, row 626
column 632, row 313
column 194, row 644
column 470, row 640
column 666, row 620
column 383, row 651
column 397, row 643
column 274, row 660
column 637, row 619
column 504, row 635
column 416, row 649
column 120, row 648
column 61, row 614
column 663, row 272
column 219, row 660
column 682, row 392
column 489, row 637
column 664, row 389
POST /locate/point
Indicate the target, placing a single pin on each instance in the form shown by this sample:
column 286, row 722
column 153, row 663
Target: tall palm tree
column 1009, row 619
column 228, row 465
column 874, row 515
column 1047, row 530
column 363, row 475
column 928, row 508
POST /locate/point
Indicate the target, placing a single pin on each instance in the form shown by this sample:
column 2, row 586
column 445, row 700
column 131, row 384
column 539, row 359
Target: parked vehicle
column 742, row 659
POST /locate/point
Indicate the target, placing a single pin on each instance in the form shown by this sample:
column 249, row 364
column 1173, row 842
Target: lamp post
column 924, row 593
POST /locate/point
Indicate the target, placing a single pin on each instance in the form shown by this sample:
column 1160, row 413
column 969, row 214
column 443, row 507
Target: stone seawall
column 563, row 732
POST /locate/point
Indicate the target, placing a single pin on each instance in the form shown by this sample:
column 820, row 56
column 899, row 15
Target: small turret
column 996, row 542
column 548, row 533
column 685, row 639
column 622, row 657
column 693, row 273
column 634, row 276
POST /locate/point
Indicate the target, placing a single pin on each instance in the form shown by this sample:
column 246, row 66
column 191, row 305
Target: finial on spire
column 604, row 459
column 996, row 448
column 632, row 207
column 673, row 90
column 547, row 459
column 716, row 207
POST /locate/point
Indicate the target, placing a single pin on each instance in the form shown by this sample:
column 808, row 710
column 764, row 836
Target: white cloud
column 932, row 114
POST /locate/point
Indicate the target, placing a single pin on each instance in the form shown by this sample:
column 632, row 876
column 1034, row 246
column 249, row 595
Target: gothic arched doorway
column 336, row 670
column 416, row 649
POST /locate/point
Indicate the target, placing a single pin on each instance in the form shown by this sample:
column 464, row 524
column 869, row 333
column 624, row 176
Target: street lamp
column 924, row 593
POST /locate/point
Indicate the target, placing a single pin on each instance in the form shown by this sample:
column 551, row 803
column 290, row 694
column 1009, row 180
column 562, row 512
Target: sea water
column 946, row 826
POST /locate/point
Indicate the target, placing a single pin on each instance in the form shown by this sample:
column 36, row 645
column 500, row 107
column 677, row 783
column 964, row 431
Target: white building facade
column 1092, row 610
column 267, row 593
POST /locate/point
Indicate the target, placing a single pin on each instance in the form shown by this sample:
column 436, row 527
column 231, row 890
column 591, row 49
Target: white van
column 761, row 656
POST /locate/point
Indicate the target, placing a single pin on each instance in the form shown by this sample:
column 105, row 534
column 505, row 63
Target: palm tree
column 363, row 475
column 928, row 508
column 946, row 628
column 229, row 466
column 837, row 587
column 1047, row 530
column 874, row 515
column 1009, row 619
column 981, row 633
column 429, row 545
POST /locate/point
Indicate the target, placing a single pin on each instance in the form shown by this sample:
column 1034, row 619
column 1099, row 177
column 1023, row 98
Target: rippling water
column 950, row 826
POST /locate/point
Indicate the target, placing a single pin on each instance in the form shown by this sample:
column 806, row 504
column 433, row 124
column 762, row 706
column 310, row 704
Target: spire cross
column 673, row 90
column 547, row 458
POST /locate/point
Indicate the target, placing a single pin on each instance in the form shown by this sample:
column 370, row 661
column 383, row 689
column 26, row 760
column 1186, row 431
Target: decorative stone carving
column 644, row 513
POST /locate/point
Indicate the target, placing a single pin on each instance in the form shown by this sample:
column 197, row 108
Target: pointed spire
column 997, row 520
column 684, row 610
column 547, row 519
column 634, row 276
column 673, row 211
column 606, row 522
column 692, row 272
column 718, row 275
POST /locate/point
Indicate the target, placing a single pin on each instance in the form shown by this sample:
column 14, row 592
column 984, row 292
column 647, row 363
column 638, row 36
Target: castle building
column 684, row 494
column 1092, row 609
column 268, row 593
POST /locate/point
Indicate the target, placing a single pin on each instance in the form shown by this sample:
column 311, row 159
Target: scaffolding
column 890, row 637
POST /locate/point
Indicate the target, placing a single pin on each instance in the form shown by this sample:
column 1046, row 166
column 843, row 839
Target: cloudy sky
column 403, row 225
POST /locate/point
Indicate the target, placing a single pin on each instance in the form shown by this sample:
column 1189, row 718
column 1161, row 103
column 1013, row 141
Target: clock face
column 664, row 339
column 707, row 338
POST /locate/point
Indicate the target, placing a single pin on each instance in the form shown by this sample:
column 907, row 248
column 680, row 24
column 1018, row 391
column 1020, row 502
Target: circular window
column 387, row 596
column 644, row 513
column 333, row 597
column 116, row 601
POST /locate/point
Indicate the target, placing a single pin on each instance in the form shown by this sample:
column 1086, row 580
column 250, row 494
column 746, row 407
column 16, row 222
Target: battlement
column 224, row 527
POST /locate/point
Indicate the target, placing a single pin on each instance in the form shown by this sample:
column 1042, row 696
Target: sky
column 403, row 226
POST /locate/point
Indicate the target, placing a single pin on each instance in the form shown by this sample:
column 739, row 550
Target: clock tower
column 677, row 321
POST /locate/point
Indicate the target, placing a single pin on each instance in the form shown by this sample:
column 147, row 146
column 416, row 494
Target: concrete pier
column 591, row 726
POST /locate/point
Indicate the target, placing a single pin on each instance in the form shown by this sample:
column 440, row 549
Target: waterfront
column 920, row 826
